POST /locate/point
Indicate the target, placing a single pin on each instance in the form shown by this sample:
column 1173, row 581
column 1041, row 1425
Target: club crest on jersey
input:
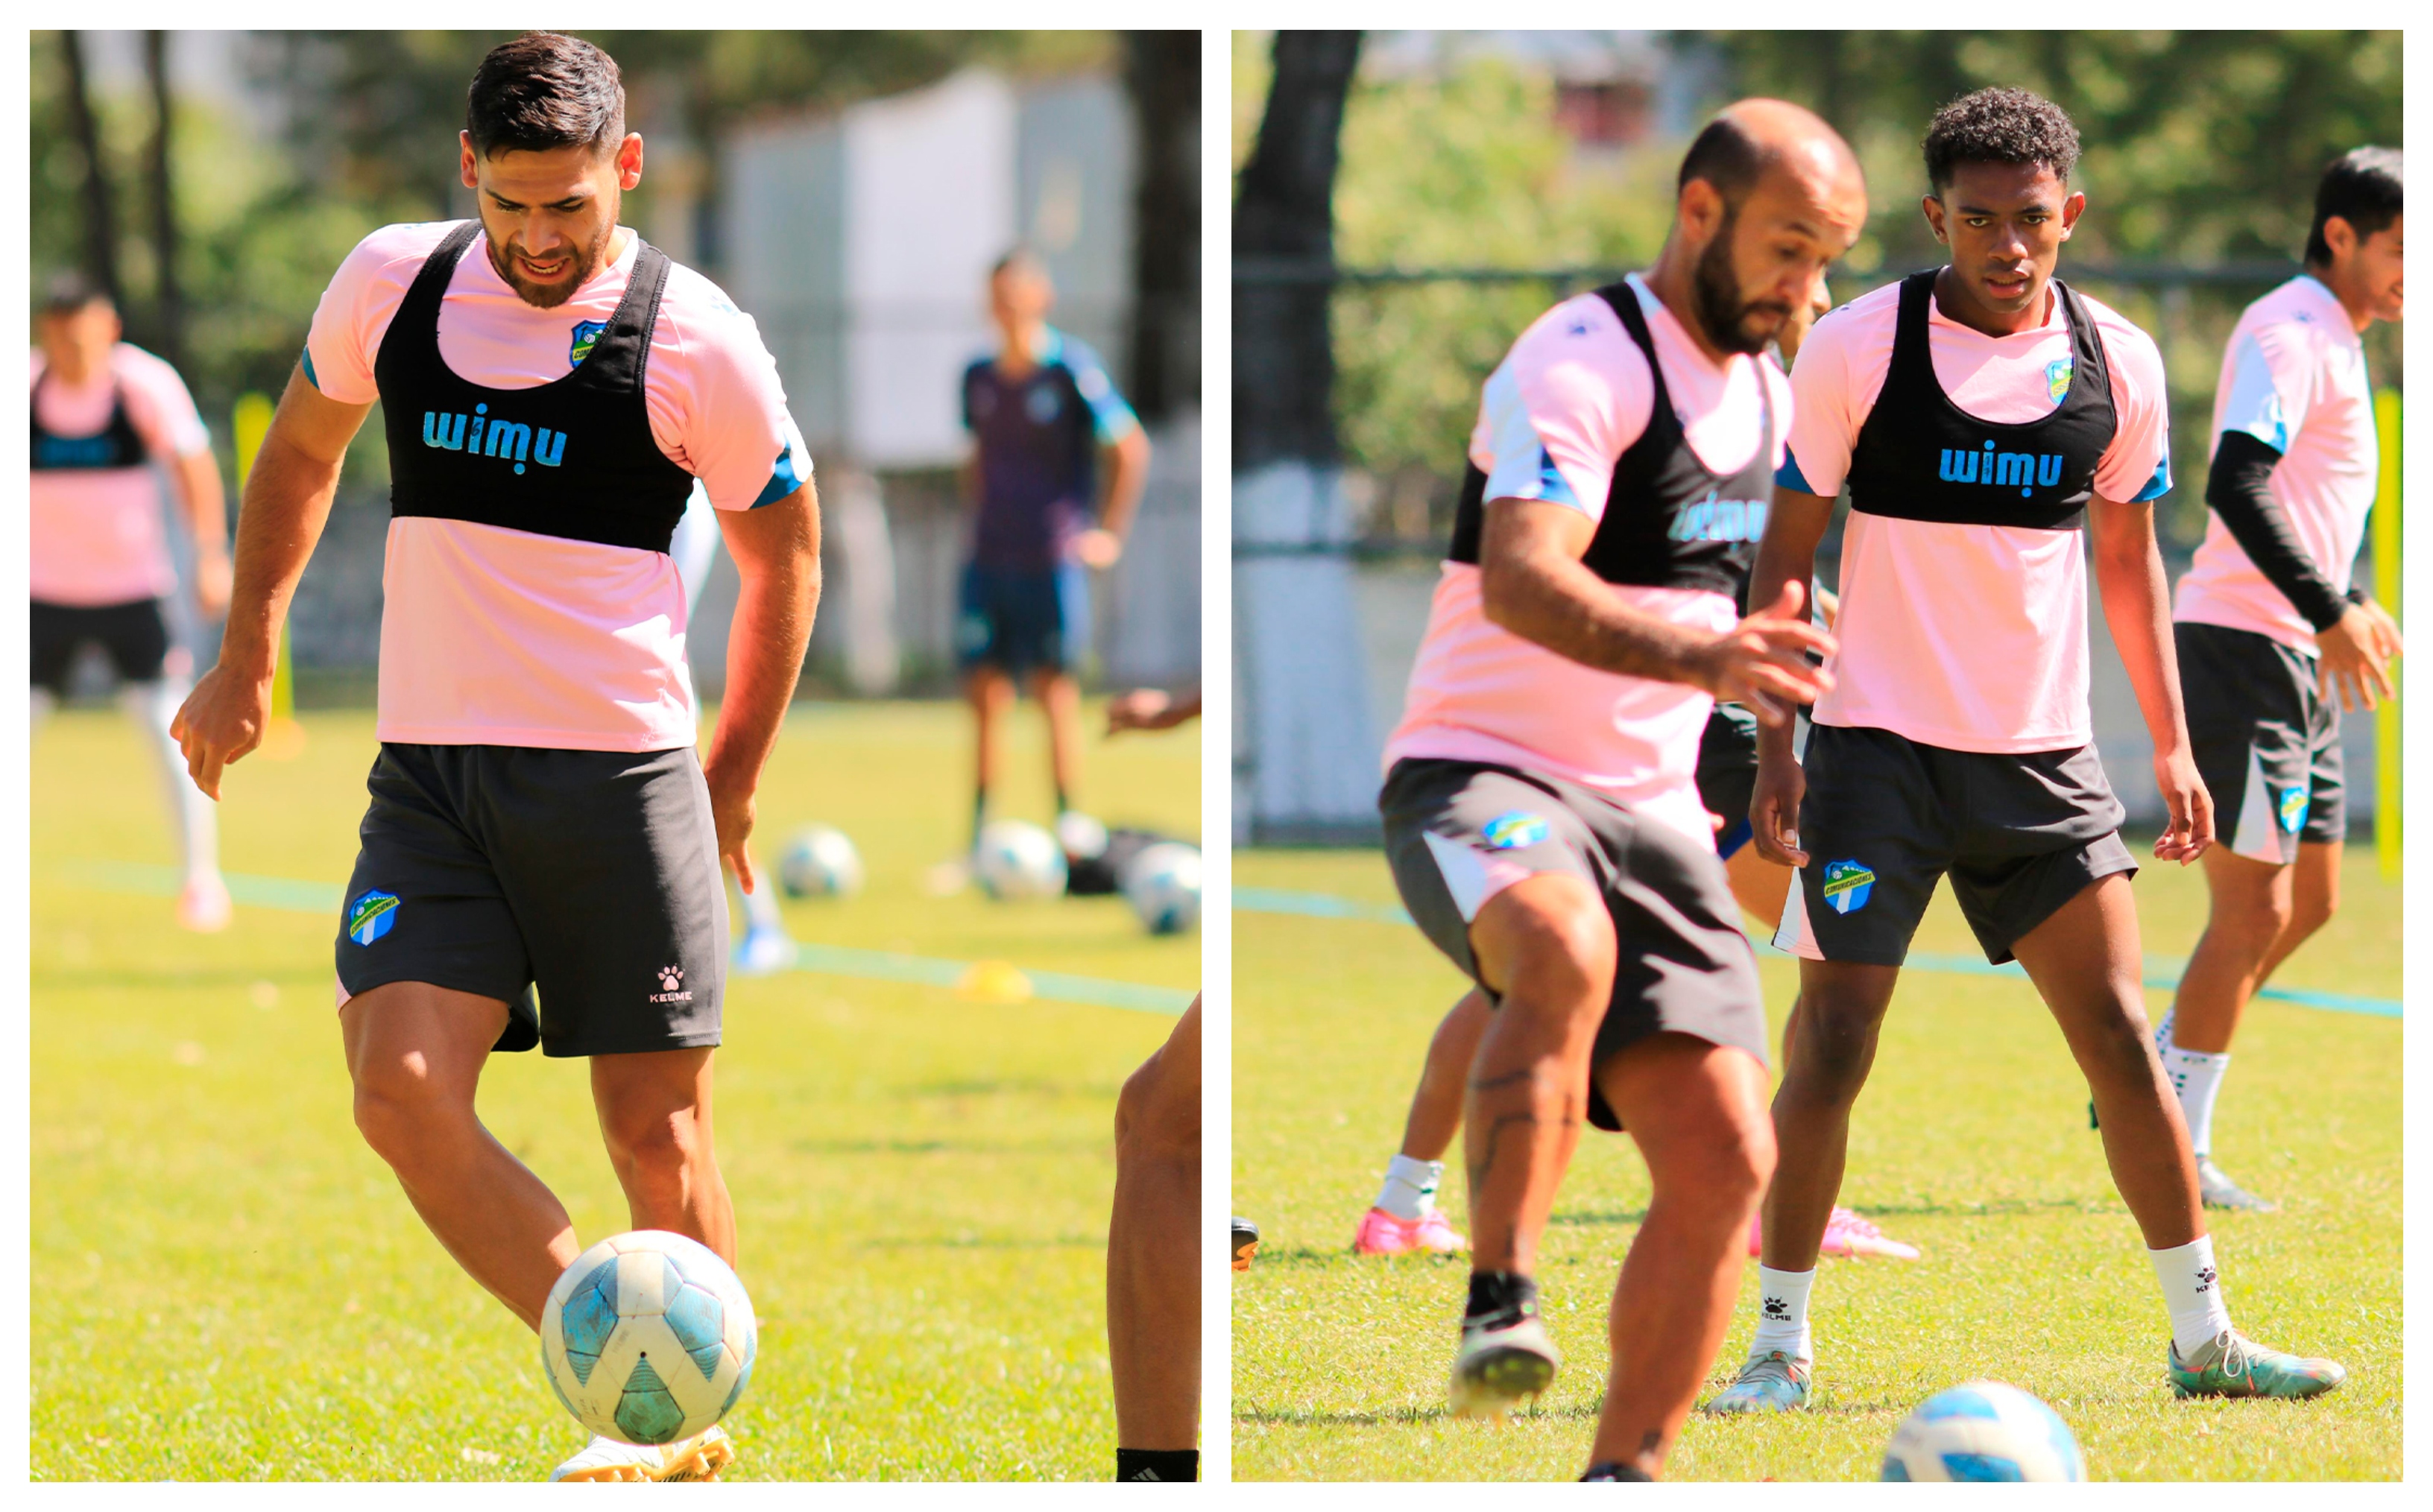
column 587, row 334
column 2027, row 472
column 482, row 435
column 371, row 916
column 1847, row 886
column 2057, row 377
column 2293, row 808
column 1044, row 404
column 1511, row 832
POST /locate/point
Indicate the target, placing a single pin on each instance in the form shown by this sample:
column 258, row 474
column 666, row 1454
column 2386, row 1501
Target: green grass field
column 1971, row 1142
column 227, row 1283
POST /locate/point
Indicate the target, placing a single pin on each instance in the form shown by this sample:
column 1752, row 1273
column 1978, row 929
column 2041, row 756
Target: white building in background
column 861, row 241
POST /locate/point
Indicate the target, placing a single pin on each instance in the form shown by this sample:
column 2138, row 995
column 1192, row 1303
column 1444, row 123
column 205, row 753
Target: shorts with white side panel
column 1459, row 832
column 2268, row 742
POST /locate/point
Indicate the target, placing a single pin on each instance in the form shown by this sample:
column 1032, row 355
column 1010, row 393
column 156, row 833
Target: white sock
column 1782, row 1313
column 2192, row 1290
column 2163, row 1030
column 39, row 705
column 196, row 818
column 1410, row 1188
column 759, row 907
column 2197, row 1077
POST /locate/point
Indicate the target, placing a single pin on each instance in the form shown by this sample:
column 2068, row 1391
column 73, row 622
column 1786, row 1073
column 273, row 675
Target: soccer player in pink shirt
column 1404, row 1219
column 1985, row 416
column 553, row 387
column 1540, row 806
column 97, row 558
column 2275, row 634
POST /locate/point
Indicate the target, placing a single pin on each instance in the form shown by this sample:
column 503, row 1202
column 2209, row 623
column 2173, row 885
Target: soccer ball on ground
column 1016, row 861
column 1083, row 837
column 1162, row 884
column 819, row 863
column 1983, row 1431
column 648, row 1337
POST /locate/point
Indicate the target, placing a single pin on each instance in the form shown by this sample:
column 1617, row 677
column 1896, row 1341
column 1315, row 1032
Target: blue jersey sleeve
column 1110, row 416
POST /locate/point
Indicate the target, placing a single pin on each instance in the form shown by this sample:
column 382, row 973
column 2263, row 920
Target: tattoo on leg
column 1507, row 1078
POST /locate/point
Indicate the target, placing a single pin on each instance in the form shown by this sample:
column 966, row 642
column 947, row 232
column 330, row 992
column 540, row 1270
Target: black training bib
column 1670, row 521
column 115, row 448
column 1919, row 456
column 573, row 458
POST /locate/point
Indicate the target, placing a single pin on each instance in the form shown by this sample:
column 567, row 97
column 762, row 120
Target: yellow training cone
column 994, row 981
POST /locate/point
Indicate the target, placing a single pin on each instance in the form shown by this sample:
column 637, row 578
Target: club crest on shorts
column 2293, row 808
column 1511, row 832
column 587, row 334
column 1847, row 886
column 371, row 916
column 2057, row 377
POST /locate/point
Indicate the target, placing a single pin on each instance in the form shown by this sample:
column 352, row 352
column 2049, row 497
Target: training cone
column 994, row 981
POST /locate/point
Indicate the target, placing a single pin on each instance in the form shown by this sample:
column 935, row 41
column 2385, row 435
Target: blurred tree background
column 1557, row 151
column 342, row 132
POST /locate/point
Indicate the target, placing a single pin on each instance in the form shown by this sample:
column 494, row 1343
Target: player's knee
column 1151, row 1125
column 1836, row 1045
column 396, row 1109
column 1562, row 959
column 2307, row 915
column 651, row 1144
column 2249, row 921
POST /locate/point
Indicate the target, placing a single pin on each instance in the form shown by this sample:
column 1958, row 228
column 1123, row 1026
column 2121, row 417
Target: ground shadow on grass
column 1096, row 1241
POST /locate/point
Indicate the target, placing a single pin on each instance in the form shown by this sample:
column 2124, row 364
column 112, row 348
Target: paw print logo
column 671, row 977
column 2206, row 1278
column 1776, row 1308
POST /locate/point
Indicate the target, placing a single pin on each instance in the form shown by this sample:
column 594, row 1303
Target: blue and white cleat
column 763, row 953
column 1772, row 1382
column 2235, row 1365
column 698, row 1458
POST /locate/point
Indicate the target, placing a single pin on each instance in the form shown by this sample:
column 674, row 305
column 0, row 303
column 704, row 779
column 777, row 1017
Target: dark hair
column 67, row 293
column 545, row 90
column 1999, row 125
column 1726, row 157
column 1017, row 256
column 2361, row 187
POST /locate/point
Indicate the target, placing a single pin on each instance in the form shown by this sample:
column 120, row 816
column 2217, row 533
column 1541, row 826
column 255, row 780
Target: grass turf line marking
column 295, row 895
column 2161, row 971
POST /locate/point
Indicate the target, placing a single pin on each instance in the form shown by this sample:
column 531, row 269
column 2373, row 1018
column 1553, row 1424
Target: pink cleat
column 1381, row 1234
column 204, row 906
column 1852, row 1238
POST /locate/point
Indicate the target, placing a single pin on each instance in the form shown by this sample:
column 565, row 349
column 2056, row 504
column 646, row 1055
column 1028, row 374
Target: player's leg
column 2086, row 962
column 1153, row 1263
column 990, row 693
column 1698, row 1113
column 152, row 684
column 2314, row 897
column 1405, row 1217
column 2251, row 904
column 415, row 1052
column 1059, row 696
column 654, row 1118
column 1064, row 614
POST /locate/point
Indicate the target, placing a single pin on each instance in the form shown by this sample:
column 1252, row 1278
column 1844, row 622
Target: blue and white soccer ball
column 1015, row 861
column 819, row 863
column 648, row 1337
column 1983, row 1431
column 1162, row 884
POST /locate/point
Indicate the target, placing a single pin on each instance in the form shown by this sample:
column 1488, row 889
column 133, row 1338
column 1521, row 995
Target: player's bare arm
column 196, row 479
column 2138, row 608
column 1532, row 583
column 777, row 552
column 1126, row 462
column 287, row 499
column 1786, row 558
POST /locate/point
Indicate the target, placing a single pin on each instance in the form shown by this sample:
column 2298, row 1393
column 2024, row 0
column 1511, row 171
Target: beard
column 1721, row 311
column 550, row 296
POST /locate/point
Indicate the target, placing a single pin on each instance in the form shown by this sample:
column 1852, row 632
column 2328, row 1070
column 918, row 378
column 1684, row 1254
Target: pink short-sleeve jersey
column 1554, row 418
column 1972, row 637
column 499, row 636
column 96, row 535
column 2295, row 378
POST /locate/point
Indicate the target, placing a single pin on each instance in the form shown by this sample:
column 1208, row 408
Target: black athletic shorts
column 1884, row 817
column 133, row 633
column 1727, row 773
column 1021, row 622
column 1457, row 832
column 2268, row 742
column 591, row 877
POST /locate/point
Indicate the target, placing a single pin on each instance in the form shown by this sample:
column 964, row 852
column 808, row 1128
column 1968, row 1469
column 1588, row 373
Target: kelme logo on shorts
column 1847, row 886
column 2293, row 808
column 671, row 986
column 2057, row 377
column 1511, row 832
column 371, row 916
column 587, row 333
